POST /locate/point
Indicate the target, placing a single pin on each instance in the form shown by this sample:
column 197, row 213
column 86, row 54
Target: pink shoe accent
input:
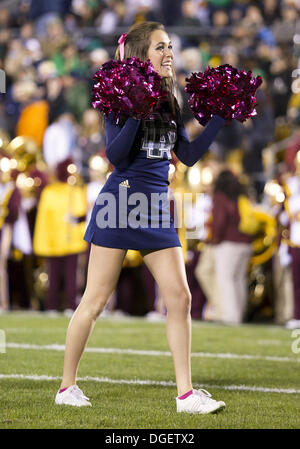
column 63, row 389
column 186, row 395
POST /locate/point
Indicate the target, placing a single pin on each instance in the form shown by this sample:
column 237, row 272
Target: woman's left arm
column 190, row 152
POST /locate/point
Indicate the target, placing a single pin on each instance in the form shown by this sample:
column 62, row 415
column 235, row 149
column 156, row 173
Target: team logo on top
column 159, row 138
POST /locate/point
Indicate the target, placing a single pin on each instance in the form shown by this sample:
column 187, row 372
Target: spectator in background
column 270, row 10
column 202, row 11
column 253, row 17
column 42, row 12
column 33, row 121
column 67, row 60
column 5, row 19
column 263, row 55
column 230, row 56
column 4, row 42
column 171, row 12
column 191, row 60
column 183, row 96
column 77, row 94
column 97, row 58
column 58, row 235
column 55, row 38
column 205, row 270
column 236, row 14
column 289, row 12
column 26, row 113
column 188, row 18
column 215, row 5
column 60, row 140
column 229, row 139
column 259, row 131
column 280, row 81
column 220, row 22
column 91, row 140
column 15, row 55
column 220, row 18
column 111, row 17
column 232, row 249
column 141, row 11
column 292, row 209
column 55, row 97
column 20, row 13
column 289, row 19
column 10, row 202
column 86, row 11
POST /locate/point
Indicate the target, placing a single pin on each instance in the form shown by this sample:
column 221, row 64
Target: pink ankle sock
column 63, row 389
column 186, row 395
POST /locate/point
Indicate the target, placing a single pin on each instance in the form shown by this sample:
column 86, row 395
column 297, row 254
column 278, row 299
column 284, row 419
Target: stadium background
column 50, row 51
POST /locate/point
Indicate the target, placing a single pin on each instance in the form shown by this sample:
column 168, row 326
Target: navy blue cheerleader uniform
column 132, row 210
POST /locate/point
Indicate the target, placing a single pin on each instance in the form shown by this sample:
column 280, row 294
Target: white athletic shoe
column 72, row 396
column 200, row 401
column 292, row 324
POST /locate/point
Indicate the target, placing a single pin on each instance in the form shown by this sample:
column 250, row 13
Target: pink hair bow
column 121, row 41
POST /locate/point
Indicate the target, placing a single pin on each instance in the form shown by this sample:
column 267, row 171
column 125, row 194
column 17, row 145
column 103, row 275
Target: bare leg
column 167, row 267
column 104, row 269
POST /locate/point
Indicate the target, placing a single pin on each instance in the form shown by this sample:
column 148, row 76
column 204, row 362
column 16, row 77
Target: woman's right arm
column 119, row 140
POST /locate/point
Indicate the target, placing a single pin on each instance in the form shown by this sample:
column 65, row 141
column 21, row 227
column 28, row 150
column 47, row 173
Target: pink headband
column 121, row 41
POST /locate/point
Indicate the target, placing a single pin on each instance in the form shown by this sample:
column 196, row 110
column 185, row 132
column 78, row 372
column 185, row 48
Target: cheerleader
column 140, row 151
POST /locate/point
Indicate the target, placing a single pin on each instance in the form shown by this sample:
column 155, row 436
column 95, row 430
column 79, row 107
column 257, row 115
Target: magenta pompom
column 224, row 91
column 127, row 88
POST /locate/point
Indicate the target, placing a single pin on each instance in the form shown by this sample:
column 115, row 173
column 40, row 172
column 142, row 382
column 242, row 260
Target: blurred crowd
column 52, row 156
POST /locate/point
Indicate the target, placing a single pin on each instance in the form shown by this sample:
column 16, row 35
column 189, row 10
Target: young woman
column 140, row 151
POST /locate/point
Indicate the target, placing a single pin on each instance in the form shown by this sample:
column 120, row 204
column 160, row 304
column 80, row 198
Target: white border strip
column 228, row 355
column 162, row 383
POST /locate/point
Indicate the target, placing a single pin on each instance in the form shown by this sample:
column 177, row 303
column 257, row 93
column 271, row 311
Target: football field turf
column 127, row 372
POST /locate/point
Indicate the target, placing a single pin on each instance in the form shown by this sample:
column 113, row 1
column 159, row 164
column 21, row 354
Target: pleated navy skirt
column 132, row 213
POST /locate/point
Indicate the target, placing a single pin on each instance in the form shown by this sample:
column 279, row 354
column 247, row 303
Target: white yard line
column 227, row 355
column 161, row 383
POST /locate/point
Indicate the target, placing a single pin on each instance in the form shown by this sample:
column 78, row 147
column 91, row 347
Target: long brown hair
column 137, row 44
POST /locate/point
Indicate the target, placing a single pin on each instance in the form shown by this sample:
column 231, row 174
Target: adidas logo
column 125, row 183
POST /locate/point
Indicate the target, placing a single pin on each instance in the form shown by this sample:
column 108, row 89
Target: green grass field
column 127, row 372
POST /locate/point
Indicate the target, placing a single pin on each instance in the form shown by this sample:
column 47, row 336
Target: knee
column 93, row 306
column 180, row 303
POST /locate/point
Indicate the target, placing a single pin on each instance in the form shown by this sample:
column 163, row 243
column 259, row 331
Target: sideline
column 162, row 383
column 227, row 355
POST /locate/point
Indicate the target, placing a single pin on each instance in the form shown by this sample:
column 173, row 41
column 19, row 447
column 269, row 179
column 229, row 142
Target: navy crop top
column 142, row 148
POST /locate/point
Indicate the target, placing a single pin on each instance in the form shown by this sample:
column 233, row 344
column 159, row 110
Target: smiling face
column 160, row 53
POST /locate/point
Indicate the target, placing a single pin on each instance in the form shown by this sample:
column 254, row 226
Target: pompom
column 131, row 88
column 224, row 91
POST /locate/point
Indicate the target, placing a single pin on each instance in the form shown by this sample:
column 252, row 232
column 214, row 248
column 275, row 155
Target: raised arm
column 190, row 152
column 119, row 140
